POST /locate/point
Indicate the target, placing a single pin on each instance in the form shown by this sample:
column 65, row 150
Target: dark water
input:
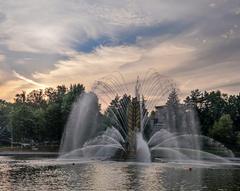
column 50, row 174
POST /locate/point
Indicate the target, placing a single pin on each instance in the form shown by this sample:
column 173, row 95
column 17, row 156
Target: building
column 179, row 119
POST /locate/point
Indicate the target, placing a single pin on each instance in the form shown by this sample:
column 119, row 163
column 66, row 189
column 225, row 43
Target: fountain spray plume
column 125, row 130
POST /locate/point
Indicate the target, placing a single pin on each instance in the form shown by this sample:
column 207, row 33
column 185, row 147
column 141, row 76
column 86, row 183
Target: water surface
column 51, row 174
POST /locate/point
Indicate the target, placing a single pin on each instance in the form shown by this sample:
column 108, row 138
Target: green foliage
column 4, row 122
column 54, row 122
column 173, row 110
column 42, row 114
column 4, row 107
column 40, row 126
column 215, row 109
column 210, row 107
column 222, row 129
column 39, row 115
column 21, row 97
column 173, row 100
column 238, row 139
column 36, row 98
column 21, row 122
column 116, row 113
column 70, row 97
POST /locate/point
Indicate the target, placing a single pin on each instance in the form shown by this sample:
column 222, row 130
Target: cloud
column 86, row 68
column 12, row 87
column 34, row 26
column 28, row 80
column 223, row 77
column 9, row 88
column 54, row 26
column 55, row 42
column 130, row 60
column 2, row 58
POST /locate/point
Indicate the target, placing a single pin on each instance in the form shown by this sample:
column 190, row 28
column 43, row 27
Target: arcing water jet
column 124, row 131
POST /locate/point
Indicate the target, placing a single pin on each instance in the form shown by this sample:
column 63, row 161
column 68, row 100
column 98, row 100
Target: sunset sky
column 51, row 42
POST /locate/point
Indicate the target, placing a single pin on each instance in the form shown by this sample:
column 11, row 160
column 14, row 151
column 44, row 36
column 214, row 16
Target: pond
column 51, row 174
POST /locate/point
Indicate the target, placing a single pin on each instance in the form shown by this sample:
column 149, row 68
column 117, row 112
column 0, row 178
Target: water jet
column 125, row 129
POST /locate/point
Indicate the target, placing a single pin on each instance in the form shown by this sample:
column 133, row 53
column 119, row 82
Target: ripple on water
column 51, row 174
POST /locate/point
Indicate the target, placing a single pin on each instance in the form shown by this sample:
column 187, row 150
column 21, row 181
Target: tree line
column 41, row 115
column 38, row 116
column 219, row 116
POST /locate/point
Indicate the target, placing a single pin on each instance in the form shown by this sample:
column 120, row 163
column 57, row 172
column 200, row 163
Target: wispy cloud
column 29, row 80
column 58, row 41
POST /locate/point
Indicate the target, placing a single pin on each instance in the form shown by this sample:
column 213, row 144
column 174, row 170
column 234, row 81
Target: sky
column 48, row 43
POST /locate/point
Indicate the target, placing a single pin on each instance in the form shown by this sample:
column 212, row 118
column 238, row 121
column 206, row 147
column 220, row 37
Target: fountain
column 124, row 129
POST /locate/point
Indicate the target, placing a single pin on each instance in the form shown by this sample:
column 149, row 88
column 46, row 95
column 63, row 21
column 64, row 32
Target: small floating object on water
column 73, row 163
column 190, row 168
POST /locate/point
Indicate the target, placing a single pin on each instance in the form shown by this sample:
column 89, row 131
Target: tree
column 112, row 116
column 173, row 111
column 4, row 129
column 70, row 97
column 173, row 100
column 21, row 98
column 3, row 113
column 40, row 125
column 195, row 99
column 36, row 98
column 54, row 122
column 116, row 113
column 210, row 106
column 233, row 108
column 61, row 91
column 51, row 95
column 238, row 139
column 222, row 129
column 41, row 114
column 22, row 123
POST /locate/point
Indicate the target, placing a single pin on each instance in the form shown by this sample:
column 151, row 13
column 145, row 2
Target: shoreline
column 29, row 153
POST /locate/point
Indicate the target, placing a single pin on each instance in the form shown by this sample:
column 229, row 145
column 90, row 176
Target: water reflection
column 74, row 175
column 4, row 174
